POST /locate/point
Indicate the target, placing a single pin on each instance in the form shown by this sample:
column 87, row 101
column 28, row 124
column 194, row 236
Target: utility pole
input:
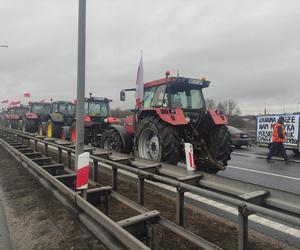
column 80, row 81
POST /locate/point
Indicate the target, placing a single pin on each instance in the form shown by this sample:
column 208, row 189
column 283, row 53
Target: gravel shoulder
column 36, row 220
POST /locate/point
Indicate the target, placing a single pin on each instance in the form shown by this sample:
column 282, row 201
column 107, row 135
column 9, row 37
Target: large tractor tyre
column 14, row 124
column 30, row 126
column 53, row 129
column 157, row 140
column 111, row 140
column 219, row 147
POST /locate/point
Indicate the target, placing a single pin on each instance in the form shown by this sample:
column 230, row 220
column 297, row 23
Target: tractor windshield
column 41, row 108
column 176, row 95
column 67, row 108
column 96, row 108
column 186, row 96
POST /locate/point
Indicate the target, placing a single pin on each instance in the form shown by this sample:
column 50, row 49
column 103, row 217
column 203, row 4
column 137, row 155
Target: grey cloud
column 248, row 49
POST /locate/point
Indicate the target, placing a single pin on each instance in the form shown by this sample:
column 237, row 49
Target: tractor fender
column 217, row 117
column 56, row 117
column 171, row 116
column 126, row 138
column 31, row 116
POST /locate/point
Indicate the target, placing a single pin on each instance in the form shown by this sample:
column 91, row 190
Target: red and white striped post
column 82, row 172
column 189, row 156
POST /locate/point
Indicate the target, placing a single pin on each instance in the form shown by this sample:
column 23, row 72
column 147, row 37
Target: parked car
column 238, row 137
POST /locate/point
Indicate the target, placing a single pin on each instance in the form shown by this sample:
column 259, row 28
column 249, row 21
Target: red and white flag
column 82, row 173
column 139, row 93
column 42, row 100
column 4, row 101
column 27, row 94
column 15, row 103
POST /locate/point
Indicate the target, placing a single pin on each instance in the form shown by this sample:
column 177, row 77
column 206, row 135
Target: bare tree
column 210, row 103
column 229, row 108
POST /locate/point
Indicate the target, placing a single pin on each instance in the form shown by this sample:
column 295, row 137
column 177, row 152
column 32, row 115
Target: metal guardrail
column 247, row 198
column 114, row 235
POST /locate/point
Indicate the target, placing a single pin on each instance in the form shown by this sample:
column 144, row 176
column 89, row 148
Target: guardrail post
column 69, row 158
column 141, row 182
column 46, row 149
column 243, row 228
column 152, row 236
column 59, row 155
column 35, row 145
column 180, row 206
column 95, row 170
column 114, row 178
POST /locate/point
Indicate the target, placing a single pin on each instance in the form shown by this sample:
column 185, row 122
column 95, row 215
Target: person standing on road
column 278, row 138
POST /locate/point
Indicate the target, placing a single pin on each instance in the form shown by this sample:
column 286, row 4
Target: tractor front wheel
column 111, row 140
column 219, row 148
column 157, row 140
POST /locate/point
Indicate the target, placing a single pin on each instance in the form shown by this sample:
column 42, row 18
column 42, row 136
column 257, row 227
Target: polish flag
column 139, row 93
column 4, row 101
column 83, row 167
column 26, row 94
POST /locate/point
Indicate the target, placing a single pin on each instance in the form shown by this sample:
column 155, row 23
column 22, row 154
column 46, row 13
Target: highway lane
column 258, row 171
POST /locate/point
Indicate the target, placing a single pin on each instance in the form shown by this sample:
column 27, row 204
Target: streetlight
column 80, row 84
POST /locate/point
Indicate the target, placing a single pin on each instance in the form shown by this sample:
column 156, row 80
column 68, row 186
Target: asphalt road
column 246, row 165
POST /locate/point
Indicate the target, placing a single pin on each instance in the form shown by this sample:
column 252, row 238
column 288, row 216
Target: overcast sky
column 248, row 49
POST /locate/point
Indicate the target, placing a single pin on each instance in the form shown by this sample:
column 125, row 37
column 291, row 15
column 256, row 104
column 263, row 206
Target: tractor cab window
column 96, row 109
column 67, row 108
column 156, row 96
column 41, row 108
column 186, row 96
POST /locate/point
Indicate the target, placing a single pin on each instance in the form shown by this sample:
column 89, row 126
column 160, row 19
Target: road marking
column 261, row 156
column 262, row 172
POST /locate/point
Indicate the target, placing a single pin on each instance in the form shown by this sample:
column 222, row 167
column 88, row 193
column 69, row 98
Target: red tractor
column 173, row 112
column 16, row 116
column 35, row 120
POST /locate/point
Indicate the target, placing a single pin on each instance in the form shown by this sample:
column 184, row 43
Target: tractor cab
column 42, row 109
column 21, row 111
column 96, row 109
column 175, row 92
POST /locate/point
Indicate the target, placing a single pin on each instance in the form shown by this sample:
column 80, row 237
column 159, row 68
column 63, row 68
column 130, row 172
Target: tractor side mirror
column 122, row 96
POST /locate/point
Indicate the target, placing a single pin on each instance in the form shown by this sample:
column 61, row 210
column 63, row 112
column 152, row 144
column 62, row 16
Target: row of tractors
column 172, row 113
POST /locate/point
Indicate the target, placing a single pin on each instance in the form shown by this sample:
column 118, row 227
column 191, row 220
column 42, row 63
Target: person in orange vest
column 278, row 138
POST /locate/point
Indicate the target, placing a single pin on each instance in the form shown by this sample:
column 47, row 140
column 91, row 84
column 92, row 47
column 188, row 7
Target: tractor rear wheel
column 218, row 142
column 111, row 140
column 157, row 140
column 53, row 129
column 30, row 126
